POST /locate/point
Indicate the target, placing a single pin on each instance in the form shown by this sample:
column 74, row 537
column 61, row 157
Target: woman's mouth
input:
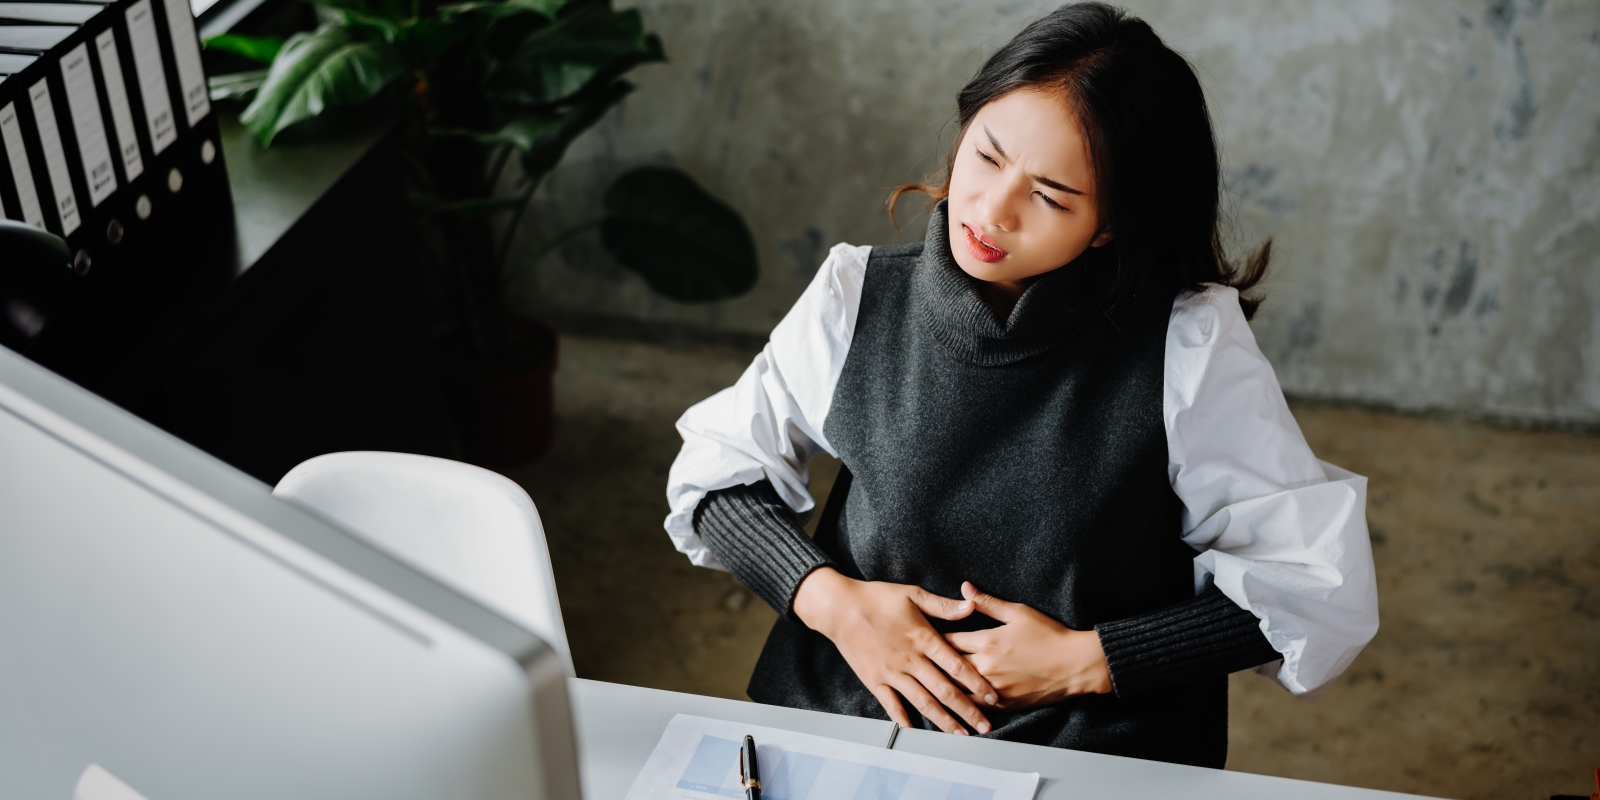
column 982, row 247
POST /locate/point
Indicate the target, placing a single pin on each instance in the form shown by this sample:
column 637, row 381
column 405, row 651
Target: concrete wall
column 1428, row 171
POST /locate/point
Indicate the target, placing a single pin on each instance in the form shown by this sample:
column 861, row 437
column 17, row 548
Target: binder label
column 55, row 159
column 152, row 78
column 117, row 96
column 186, row 51
column 84, row 103
column 11, row 134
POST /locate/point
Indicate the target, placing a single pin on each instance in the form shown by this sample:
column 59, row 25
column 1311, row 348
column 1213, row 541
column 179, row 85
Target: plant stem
column 551, row 244
column 499, row 167
column 511, row 227
column 475, row 327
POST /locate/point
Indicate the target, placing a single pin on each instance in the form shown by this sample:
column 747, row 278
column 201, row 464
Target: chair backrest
column 473, row 529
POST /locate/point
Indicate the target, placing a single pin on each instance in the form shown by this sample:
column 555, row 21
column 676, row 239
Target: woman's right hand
column 882, row 630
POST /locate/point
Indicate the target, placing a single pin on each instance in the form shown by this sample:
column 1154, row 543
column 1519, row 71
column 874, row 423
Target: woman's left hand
column 1031, row 659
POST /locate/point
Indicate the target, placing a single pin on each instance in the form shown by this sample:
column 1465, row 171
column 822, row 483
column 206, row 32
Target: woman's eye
column 985, row 157
column 1051, row 203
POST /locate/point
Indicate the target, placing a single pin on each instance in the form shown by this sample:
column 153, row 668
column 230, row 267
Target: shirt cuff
column 1200, row 638
column 752, row 532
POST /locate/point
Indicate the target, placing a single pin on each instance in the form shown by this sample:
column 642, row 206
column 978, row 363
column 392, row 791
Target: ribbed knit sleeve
column 1204, row 637
column 754, row 534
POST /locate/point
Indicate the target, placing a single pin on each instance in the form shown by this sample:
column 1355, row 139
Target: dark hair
column 1150, row 142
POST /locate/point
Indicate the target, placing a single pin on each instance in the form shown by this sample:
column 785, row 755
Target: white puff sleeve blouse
column 1281, row 533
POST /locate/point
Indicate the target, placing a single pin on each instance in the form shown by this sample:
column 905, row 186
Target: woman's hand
column 882, row 630
column 1031, row 659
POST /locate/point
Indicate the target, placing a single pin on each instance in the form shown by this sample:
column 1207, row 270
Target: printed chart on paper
column 697, row 759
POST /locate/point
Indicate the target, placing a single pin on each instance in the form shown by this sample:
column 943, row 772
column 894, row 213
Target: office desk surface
column 1074, row 774
column 274, row 187
column 618, row 727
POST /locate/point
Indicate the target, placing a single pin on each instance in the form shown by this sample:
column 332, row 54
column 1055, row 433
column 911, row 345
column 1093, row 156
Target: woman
column 1073, row 498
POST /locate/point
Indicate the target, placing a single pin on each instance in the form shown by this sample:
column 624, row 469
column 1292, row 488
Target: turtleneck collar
column 1049, row 313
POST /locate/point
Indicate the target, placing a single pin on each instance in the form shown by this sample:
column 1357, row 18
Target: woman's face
column 1022, row 193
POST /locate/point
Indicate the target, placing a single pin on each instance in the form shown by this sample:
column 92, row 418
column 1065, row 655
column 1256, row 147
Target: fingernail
column 961, row 731
column 990, row 699
column 983, row 727
column 962, row 606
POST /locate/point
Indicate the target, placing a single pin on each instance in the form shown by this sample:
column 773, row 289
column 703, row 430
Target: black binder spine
column 127, row 208
column 22, row 106
column 21, row 192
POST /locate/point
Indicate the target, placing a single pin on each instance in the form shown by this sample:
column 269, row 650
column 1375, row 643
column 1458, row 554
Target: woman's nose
column 999, row 208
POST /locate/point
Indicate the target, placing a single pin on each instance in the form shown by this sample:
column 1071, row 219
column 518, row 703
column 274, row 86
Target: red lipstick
column 982, row 247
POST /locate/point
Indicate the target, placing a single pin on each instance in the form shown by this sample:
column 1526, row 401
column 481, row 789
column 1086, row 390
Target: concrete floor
column 1484, row 681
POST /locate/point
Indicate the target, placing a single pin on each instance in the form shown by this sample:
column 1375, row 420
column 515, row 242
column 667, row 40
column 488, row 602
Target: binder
column 108, row 139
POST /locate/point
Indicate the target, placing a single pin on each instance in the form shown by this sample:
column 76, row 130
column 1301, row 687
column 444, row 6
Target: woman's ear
column 1101, row 238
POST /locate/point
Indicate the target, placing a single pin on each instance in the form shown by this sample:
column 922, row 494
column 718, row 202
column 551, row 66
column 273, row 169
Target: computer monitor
column 170, row 631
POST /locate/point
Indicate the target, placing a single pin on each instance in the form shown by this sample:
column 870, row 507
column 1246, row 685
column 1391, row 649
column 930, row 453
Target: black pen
column 749, row 770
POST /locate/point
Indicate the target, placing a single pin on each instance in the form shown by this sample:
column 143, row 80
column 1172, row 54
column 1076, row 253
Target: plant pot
column 504, row 408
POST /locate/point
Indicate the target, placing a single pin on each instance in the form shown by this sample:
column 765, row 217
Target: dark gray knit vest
column 1028, row 457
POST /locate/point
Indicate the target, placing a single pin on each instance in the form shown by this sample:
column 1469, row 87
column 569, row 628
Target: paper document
column 698, row 759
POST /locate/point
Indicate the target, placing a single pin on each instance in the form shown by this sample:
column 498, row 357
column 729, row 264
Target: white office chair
column 471, row 528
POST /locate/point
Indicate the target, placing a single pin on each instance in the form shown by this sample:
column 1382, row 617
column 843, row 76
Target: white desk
column 618, row 727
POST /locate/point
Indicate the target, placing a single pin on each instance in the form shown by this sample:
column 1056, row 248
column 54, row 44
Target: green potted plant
column 482, row 85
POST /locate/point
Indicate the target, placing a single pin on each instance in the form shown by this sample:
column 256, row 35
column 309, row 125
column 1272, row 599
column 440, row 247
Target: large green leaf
column 548, row 8
column 588, row 46
column 686, row 244
column 522, row 133
column 255, row 48
column 240, row 86
column 501, row 8
column 588, row 32
column 504, row 32
column 317, row 71
column 368, row 26
column 540, row 86
column 390, row 10
column 427, row 39
column 548, row 149
column 564, row 79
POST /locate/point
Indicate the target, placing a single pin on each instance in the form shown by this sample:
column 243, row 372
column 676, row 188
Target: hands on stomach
column 1031, row 659
column 882, row 630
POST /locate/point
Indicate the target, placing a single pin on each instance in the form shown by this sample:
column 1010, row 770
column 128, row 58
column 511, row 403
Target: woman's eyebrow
column 995, row 143
column 1059, row 186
